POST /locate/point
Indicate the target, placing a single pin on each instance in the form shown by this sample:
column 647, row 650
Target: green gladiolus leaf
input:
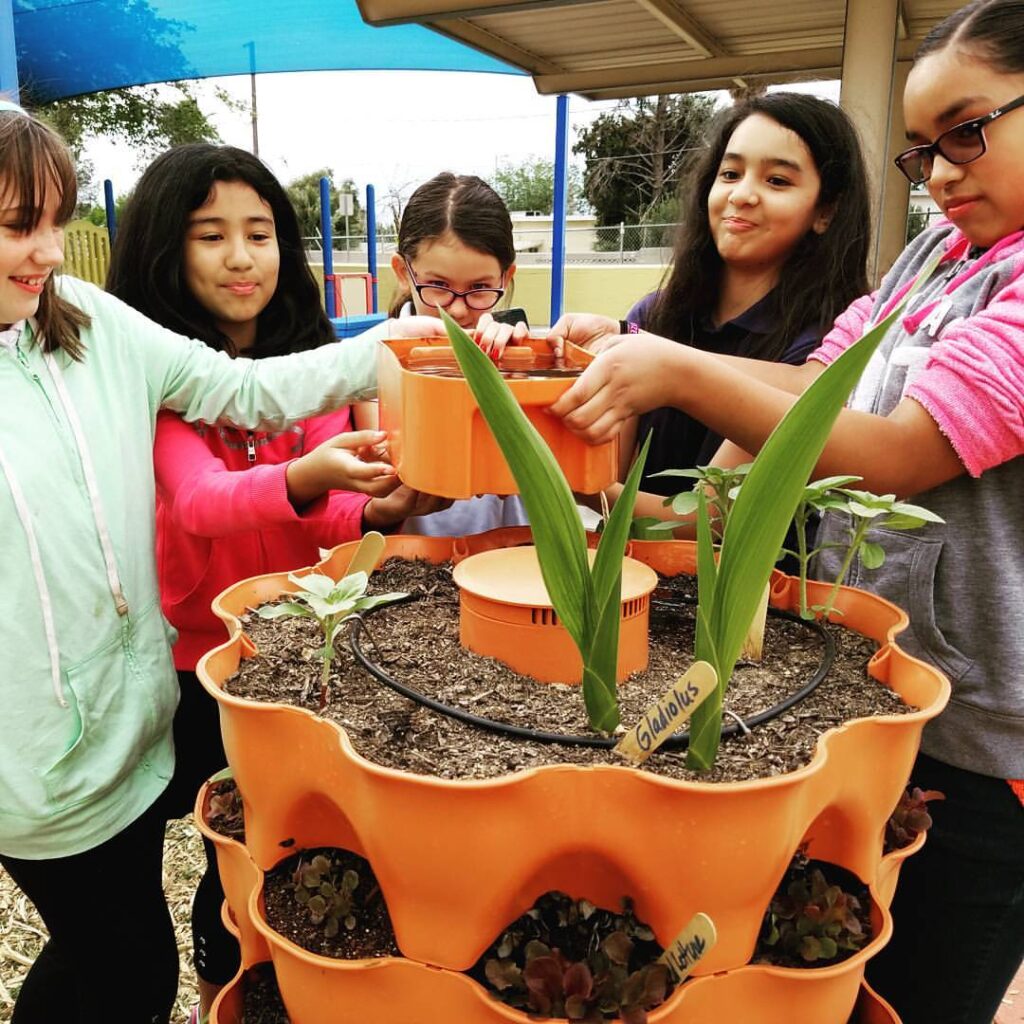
column 557, row 529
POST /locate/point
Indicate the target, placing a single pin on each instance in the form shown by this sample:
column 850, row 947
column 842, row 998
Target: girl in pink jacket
column 209, row 246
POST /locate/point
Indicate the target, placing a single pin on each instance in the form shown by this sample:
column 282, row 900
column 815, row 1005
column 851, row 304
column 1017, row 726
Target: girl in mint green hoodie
column 87, row 685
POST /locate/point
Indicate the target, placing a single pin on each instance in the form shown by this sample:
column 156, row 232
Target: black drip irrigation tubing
column 676, row 741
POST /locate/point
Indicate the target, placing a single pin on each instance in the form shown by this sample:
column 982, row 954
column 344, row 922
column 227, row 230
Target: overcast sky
column 392, row 129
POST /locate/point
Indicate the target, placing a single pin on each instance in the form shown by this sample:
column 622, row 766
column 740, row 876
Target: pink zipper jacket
column 223, row 514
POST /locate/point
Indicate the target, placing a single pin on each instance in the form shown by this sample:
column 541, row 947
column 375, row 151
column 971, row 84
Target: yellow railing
column 86, row 251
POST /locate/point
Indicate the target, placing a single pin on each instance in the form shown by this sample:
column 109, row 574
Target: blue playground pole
column 371, row 241
column 328, row 244
column 108, row 202
column 559, row 211
column 8, row 54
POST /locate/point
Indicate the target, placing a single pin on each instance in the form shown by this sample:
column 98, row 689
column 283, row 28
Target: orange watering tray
column 439, row 441
column 505, row 613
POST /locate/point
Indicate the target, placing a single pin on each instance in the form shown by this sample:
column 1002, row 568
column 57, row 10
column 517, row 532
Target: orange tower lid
column 512, row 576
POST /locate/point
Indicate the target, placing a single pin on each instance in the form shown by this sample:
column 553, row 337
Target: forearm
column 903, row 453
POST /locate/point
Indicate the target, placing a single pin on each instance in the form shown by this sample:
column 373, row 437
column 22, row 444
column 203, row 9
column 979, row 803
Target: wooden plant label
column 690, row 945
column 367, row 554
column 660, row 720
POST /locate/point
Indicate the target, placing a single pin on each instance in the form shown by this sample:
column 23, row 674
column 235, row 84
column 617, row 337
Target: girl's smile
column 765, row 196
column 232, row 259
column 983, row 197
column 27, row 258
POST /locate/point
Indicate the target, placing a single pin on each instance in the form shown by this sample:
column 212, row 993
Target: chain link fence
column 614, row 243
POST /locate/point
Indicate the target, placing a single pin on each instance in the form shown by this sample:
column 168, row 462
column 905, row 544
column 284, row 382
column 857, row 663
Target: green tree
column 636, row 153
column 137, row 116
column 304, row 193
column 530, row 185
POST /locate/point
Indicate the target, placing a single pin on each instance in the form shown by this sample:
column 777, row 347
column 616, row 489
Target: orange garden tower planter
column 438, row 439
column 458, row 860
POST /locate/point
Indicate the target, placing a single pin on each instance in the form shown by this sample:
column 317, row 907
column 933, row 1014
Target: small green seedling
column 866, row 511
column 721, row 485
column 331, row 604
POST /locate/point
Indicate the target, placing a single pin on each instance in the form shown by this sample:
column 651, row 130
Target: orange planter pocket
column 238, row 876
column 440, row 443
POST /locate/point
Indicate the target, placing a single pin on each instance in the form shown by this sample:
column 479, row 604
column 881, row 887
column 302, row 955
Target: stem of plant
column 803, row 559
column 858, row 536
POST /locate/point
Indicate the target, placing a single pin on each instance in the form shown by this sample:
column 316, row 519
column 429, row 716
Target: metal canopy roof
column 604, row 49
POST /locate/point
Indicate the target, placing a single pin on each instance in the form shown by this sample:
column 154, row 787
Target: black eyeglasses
column 438, row 295
column 960, row 145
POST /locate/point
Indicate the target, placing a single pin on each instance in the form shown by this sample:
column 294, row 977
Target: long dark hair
column 822, row 275
column 147, row 268
column 34, row 160
column 466, row 206
column 994, row 29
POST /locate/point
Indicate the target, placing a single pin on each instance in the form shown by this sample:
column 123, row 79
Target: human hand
column 583, row 329
column 416, row 327
column 402, row 503
column 345, row 462
column 492, row 337
column 622, row 382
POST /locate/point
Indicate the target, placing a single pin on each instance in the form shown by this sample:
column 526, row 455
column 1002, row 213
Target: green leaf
column 684, row 504
column 314, row 583
column 692, row 474
column 600, row 658
column 349, row 587
column 364, row 604
column 706, row 720
column 871, row 555
column 326, row 609
column 863, row 511
column 557, row 528
column 283, row 609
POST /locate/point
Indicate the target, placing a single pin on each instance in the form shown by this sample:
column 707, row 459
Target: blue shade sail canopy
column 70, row 47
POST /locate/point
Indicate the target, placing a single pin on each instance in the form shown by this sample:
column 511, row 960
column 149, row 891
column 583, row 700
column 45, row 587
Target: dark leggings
column 959, row 907
column 112, row 954
column 199, row 753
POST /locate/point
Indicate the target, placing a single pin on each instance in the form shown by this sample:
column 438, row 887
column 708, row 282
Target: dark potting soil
column 225, row 814
column 371, row 936
column 418, row 643
column 262, row 1000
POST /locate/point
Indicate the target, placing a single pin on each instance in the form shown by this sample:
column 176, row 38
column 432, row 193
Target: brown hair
column 34, row 160
column 464, row 205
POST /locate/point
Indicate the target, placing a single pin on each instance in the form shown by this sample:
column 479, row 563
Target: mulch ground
column 22, row 934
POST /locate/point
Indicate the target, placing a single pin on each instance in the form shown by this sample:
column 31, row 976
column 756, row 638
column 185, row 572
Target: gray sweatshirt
column 961, row 582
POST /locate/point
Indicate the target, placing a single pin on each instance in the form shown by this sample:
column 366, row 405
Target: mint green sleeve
column 200, row 383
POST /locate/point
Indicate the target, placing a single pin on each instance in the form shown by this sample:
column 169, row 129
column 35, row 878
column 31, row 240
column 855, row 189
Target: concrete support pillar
column 892, row 231
column 8, row 57
column 867, row 94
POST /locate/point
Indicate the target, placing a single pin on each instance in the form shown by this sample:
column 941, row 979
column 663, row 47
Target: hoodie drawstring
column 25, row 515
column 113, row 579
